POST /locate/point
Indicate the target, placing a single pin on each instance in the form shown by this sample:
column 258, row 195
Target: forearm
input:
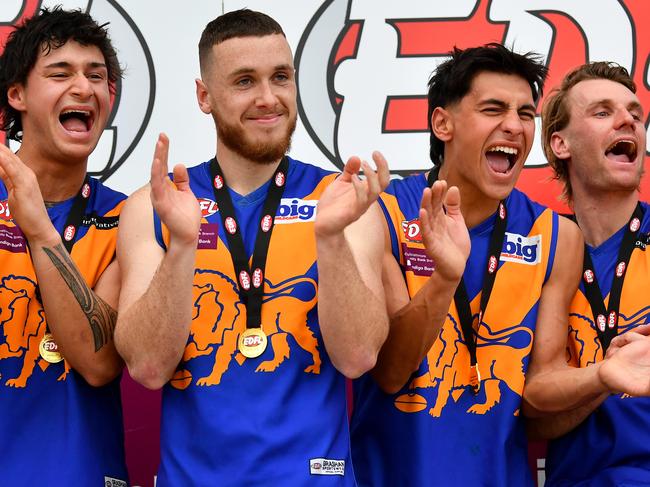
column 151, row 332
column 561, row 390
column 413, row 330
column 551, row 427
column 81, row 322
column 352, row 316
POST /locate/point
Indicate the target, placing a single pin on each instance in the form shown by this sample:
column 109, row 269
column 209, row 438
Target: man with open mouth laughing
column 595, row 140
column 59, row 386
column 455, row 391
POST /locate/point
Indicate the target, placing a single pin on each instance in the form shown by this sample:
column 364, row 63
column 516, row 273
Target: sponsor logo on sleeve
column 208, row 207
column 521, row 249
column 325, row 466
column 411, row 229
column 294, row 210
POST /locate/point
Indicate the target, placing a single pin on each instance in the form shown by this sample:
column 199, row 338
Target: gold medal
column 475, row 378
column 252, row 342
column 49, row 350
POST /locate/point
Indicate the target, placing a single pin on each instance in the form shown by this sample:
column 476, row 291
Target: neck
column 57, row 181
column 601, row 215
column 475, row 206
column 243, row 175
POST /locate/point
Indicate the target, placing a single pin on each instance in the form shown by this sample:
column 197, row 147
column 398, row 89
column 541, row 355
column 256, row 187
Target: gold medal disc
column 49, row 349
column 252, row 342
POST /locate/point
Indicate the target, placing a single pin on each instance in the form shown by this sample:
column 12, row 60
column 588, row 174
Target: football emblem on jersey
column 218, row 182
column 231, row 225
column 244, row 280
column 279, row 179
column 611, row 321
column 620, row 269
column 492, row 265
column 257, row 278
column 208, row 207
column 411, row 230
column 69, row 233
column 85, row 190
column 502, row 211
column 635, row 224
column 600, row 321
column 266, row 223
column 588, row 276
column 4, row 210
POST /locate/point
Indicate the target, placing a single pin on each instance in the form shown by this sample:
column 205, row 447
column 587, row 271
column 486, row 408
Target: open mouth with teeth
column 501, row 159
column 622, row 151
column 76, row 120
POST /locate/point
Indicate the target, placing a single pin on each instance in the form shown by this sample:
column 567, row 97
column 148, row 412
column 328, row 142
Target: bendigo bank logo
column 368, row 92
column 132, row 104
column 411, row 229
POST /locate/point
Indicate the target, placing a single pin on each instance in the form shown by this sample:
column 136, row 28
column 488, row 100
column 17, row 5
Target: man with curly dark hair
column 59, row 284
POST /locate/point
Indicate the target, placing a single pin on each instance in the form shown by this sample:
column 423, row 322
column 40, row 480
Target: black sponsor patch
column 100, row 222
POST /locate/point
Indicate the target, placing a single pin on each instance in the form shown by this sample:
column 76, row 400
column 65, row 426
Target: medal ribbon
column 251, row 284
column 606, row 318
column 461, row 298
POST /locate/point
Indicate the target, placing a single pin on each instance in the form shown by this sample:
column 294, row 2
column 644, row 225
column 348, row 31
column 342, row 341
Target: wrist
column 43, row 238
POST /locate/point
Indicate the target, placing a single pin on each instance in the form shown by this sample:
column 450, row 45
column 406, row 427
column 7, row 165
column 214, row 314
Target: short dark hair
column 556, row 112
column 452, row 80
column 238, row 23
column 47, row 30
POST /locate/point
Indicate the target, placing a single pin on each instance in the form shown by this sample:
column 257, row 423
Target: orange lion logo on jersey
column 23, row 325
column 219, row 320
column 448, row 368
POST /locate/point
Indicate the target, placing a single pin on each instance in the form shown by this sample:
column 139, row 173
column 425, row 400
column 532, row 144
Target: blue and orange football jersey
column 611, row 446
column 436, row 431
column 281, row 418
column 56, row 429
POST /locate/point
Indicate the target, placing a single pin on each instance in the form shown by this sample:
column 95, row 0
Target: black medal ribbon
column 606, row 318
column 250, row 282
column 461, row 298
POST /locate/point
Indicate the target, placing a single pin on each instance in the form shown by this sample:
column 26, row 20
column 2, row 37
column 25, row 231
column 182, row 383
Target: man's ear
column 560, row 146
column 442, row 124
column 203, row 97
column 16, row 97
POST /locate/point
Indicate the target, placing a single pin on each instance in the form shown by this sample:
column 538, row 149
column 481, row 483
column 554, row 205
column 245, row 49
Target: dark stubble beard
column 235, row 138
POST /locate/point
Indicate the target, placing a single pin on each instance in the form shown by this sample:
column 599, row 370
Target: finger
column 383, row 172
column 361, row 190
column 642, row 330
column 372, row 181
column 181, row 178
column 351, row 168
column 452, row 201
column 13, row 167
column 159, row 166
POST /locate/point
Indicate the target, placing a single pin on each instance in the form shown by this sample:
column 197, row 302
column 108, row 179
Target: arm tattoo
column 100, row 315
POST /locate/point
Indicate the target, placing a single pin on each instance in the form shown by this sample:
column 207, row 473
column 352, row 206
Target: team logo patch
column 231, row 225
column 266, row 223
column 69, row 233
column 611, row 320
column 218, row 182
column 294, row 210
column 492, row 264
column 411, row 229
column 257, row 277
column 635, row 224
column 4, row 210
column 588, row 276
column 521, row 249
column 324, row 466
column 208, row 207
column 244, row 280
column 601, row 322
